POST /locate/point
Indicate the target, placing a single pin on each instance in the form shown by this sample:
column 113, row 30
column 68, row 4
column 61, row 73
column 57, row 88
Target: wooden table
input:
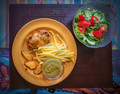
column 93, row 67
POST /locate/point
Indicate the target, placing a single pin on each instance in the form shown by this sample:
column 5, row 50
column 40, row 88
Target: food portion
column 54, row 49
column 90, row 26
column 39, row 38
column 38, row 69
column 46, row 44
column 30, row 64
column 27, row 55
column 52, row 68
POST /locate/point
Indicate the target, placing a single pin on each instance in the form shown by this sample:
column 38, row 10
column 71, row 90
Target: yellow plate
column 18, row 45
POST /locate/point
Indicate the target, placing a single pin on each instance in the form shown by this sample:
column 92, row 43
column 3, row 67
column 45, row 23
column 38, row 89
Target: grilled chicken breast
column 39, row 38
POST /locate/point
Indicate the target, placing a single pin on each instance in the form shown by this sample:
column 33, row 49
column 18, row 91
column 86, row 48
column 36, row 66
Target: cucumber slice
column 98, row 15
column 90, row 34
column 87, row 12
column 102, row 17
column 90, row 42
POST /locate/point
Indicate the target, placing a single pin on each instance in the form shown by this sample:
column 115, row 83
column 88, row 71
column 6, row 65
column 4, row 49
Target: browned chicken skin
column 38, row 39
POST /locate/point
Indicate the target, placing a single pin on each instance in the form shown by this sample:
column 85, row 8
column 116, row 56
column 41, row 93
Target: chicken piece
column 27, row 55
column 39, row 38
column 30, row 64
column 38, row 69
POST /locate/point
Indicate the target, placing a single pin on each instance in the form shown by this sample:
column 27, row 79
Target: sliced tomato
column 81, row 17
column 84, row 24
column 97, row 34
column 82, row 30
column 103, row 29
column 93, row 19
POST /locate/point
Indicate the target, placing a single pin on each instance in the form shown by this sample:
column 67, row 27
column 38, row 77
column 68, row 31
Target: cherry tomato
column 84, row 24
column 97, row 34
column 81, row 17
column 82, row 30
column 103, row 29
column 93, row 19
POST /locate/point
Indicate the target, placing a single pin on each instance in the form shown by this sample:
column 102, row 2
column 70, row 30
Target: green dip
column 52, row 67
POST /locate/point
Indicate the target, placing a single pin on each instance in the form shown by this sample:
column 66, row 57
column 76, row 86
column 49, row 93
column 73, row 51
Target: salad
column 90, row 26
